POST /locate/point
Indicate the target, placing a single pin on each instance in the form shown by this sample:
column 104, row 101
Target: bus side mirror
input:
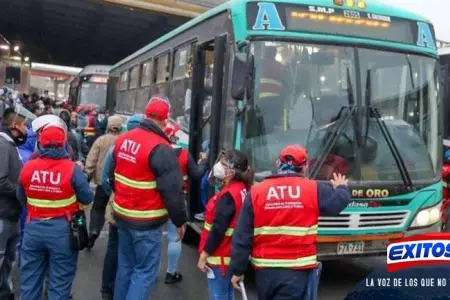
column 242, row 79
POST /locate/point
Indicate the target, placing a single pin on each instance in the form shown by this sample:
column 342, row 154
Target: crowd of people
column 52, row 158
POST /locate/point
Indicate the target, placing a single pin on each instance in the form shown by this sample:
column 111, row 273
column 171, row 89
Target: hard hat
column 295, row 155
column 52, row 135
column 171, row 130
column 44, row 120
column 158, row 108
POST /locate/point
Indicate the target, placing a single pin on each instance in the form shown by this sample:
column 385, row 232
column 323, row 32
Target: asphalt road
column 338, row 278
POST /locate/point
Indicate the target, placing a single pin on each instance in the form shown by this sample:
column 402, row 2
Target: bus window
column 123, row 81
column 147, row 72
column 123, row 87
column 134, row 77
column 162, row 68
column 181, row 85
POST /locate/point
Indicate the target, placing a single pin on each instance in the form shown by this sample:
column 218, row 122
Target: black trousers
column 281, row 284
column 98, row 211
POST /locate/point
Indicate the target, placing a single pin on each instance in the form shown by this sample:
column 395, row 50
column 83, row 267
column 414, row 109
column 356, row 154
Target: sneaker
column 91, row 241
column 200, row 217
column 173, row 278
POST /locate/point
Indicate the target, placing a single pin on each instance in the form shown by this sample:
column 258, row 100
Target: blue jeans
column 220, row 288
column 110, row 262
column 47, row 247
column 173, row 248
column 139, row 259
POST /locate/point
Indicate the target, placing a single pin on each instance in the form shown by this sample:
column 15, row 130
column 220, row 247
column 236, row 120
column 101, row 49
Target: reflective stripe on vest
column 142, row 185
column 216, row 260
column 140, row 214
column 284, row 263
column 271, row 81
column 285, row 230
column 265, row 95
column 89, row 131
column 52, row 203
column 229, row 231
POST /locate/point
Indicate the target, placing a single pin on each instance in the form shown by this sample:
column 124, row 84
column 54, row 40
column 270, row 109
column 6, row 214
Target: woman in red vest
column 52, row 187
column 233, row 173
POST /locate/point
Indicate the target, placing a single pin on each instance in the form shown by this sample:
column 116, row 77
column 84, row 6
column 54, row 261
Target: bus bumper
column 363, row 246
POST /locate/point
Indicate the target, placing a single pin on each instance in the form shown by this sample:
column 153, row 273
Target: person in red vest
column 189, row 169
column 148, row 186
column 89, row 130
column 52, row 187
column 278, row 227
column 233, row 173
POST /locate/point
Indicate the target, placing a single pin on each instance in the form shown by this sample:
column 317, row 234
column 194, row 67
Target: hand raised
column 338, row 179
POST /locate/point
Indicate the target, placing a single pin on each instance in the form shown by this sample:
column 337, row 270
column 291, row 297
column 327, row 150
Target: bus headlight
column 427, row 216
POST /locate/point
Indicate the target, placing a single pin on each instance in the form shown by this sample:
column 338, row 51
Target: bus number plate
column 350, row 248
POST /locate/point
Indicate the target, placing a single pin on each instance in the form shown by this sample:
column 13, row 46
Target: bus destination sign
column 337, row 21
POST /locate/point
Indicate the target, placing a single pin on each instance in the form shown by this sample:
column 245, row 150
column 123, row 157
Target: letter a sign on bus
column 268, row 17
column 424, row 36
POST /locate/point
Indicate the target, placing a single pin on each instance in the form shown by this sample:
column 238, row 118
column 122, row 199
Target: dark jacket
column 72, row 156
column 331, row 201
column 80, row 184
column 11, row 165
column 194, row 171
column 164, row 164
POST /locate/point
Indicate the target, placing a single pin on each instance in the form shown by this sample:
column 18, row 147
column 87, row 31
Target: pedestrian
column 233, row 173
column 52, row 186
column 278, row 228
column 93, row 169
column 148, row 188
column 12, row 135
column 189, row 169
column 111, row 255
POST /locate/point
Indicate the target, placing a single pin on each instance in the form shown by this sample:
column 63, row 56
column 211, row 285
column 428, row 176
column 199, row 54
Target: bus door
column 111, row 95
column 205, row 112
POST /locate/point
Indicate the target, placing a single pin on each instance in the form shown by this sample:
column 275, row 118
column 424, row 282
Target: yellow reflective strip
column 52, row 203
column 284, row 263
column 265, row 95
column 143, row 185
column 229, row 231
column 272, row 81
column 217, row 260
column 285, row 230
column 156, row 213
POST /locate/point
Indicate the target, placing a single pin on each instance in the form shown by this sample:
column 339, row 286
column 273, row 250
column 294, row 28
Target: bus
column 357, row 85
column 90, row 86
column 444, row 59
column 15, row 74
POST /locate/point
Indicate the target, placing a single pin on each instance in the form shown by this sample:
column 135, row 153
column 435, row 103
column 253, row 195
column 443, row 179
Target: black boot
column 91, row 242
column 173, row 278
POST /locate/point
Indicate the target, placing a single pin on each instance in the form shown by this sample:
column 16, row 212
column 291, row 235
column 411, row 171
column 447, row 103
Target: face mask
column 217, row 175
column 21, row 137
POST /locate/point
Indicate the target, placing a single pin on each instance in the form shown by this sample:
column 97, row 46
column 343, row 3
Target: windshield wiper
column 344, row 116
column 376, row 114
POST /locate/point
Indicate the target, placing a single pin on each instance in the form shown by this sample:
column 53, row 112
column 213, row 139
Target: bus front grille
column 374, row 220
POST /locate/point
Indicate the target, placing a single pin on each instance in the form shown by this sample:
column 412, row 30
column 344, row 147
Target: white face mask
column 217, row 174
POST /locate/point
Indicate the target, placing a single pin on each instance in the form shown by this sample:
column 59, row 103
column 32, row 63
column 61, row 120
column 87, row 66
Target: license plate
column 350, row 248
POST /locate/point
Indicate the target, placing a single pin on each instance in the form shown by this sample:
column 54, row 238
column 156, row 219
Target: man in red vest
column 148, row 186
column 52, row 187
column 189, row 169
column 278, row 227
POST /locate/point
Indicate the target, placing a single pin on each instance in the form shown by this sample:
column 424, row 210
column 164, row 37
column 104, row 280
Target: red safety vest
column 136, row 196
column 286, row 215
column 183, row 156
column 221, row 256
column 48, row 186
column 271, row 80
column 89, row 130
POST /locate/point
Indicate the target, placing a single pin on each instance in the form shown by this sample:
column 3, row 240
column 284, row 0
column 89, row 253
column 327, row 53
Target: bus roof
column 238, row 8
column 95, row 70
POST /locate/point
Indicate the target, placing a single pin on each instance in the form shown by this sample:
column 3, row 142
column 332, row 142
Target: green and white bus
column 359, row 88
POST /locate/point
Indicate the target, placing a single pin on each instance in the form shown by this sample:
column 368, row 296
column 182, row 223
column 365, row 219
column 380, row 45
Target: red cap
column 157, row 108
column 294, row 154
column 79, row 108
column 171, row 130
column 52, row 135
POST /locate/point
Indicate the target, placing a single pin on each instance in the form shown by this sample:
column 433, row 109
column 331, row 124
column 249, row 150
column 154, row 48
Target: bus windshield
column 302, row 89
column 93, row 93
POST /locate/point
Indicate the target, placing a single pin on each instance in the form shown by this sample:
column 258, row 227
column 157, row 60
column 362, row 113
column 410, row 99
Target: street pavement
column 338, row 278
